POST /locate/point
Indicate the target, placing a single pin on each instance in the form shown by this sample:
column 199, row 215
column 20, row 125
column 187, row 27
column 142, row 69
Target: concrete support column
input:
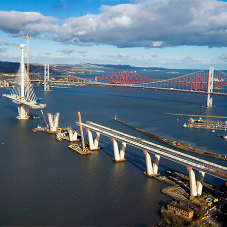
column 192, row 181
column 22, row 112
column 118, row 156
column 93, row 145
column 122, row 151
column 200, row 183
column 56, row 121
column 50, row 118
column 148, row 164
column 54, row 124
column 73, row 135
column 156, row 163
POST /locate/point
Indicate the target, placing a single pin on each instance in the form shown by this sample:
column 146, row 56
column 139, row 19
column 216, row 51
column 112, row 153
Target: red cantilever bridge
column 196, row 81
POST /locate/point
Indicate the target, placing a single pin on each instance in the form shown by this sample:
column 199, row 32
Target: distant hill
column 9, row 67
column 12, row 67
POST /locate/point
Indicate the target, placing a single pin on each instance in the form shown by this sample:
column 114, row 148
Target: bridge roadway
column 19, row 100
column 165, row 152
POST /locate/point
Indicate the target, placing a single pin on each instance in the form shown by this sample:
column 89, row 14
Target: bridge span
column 192, row 163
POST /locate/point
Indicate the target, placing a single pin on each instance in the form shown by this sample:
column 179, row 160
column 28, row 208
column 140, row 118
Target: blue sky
column 147, row 33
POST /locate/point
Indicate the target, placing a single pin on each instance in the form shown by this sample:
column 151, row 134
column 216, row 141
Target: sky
column 174, row 34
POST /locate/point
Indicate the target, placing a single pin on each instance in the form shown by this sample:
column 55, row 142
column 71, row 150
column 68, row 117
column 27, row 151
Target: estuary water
column 44, row 183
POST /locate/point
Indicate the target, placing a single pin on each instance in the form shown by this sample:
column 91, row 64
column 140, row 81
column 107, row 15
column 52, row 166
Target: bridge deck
column 168, row 153
column 18, row 100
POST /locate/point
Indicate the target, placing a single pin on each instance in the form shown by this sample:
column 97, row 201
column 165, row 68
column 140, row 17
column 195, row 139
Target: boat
column 185, row 125
column 39, row 129
column 33, row 117
column 200, row 120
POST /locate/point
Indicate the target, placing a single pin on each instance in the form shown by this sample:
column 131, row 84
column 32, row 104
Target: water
column 45, row 183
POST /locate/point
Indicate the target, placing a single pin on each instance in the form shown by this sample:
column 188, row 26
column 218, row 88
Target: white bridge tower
column 210, row 87
column 23, row 93
column 46, row 77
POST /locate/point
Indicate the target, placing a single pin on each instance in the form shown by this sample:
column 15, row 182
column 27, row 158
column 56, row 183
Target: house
column 180, row 209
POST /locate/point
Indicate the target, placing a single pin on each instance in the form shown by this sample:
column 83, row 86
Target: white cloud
column 156, row 23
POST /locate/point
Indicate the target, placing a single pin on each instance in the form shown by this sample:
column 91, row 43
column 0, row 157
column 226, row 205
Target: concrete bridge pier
column 93, row 144
column 73, row 135
column 156, row 163
column 200, row 183
column 192, row 182
column 195, row 189
column 151, row 170
column 118, row 156
column 53, row 124
column 22, row 112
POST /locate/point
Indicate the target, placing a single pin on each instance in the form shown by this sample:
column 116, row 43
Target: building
column 180, row 209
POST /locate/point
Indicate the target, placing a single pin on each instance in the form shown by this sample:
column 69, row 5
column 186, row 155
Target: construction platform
column 79, row 150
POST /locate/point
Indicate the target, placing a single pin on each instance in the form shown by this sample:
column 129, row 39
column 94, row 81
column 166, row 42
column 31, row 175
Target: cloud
column 2, row 49
column 223, row 57
column 144, row 23
column 67, row 51
column 6, row 43
column 82, row 52
column 20, row 23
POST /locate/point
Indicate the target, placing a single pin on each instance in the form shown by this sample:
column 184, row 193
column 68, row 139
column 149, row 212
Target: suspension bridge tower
column 23, row 93
column 210, row 87
column 46, row 77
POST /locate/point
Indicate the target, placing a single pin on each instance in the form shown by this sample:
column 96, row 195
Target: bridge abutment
column 93, row 144
column 118, row 156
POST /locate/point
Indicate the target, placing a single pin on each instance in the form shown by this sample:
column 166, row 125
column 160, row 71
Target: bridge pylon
column 195, row 189
column 53, row 123
column 22, row 108
column 119, row 156
column 46, row 77
column 151, row 170
column 210, row 87
column 93, row 144
column 73, row 135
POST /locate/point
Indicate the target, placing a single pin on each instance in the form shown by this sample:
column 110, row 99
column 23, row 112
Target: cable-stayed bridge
column 22, row 93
